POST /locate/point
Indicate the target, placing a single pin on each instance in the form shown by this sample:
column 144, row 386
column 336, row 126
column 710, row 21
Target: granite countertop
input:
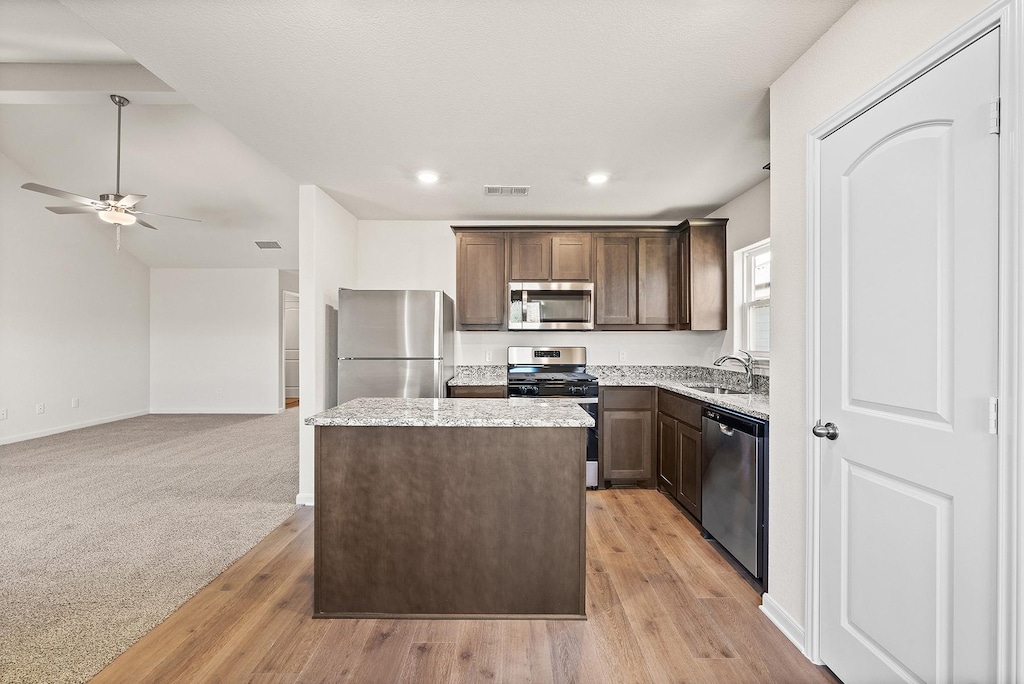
column 513, row 412
column 677, row 379
column 479, row 375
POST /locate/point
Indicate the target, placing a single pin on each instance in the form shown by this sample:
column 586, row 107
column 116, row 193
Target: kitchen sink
column 717, row 390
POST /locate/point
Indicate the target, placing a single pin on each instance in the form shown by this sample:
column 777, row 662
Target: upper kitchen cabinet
column 481, row 282
column 702, row 259
column 538, row 257
column 636, row 281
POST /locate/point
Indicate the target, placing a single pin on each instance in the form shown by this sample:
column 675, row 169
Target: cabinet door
column 615, row 281
column 684, row 280
column 689, row 447
column 703, row 268
column 668, row 455
column 626, row 445
column 658, row 289
column 531, row 257
column 480, row 281
column 571, row 255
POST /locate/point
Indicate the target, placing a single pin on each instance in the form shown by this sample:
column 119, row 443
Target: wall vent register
column 268, row 244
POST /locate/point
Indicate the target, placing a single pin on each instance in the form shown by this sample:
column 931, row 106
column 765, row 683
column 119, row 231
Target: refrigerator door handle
column 438, row 322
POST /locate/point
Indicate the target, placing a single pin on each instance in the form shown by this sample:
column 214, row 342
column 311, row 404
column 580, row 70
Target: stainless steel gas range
column 557, row 372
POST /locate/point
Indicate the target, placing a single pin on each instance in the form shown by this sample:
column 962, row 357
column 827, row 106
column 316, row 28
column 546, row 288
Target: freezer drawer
column 422, row 378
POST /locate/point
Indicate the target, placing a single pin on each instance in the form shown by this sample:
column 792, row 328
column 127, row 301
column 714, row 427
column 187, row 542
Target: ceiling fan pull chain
column 118, row 238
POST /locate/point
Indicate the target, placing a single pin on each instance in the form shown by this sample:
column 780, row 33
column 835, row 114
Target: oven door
column 551, row 306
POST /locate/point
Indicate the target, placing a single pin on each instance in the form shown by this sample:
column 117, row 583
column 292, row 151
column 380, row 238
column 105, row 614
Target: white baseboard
column 69, row 428
column 304, row 500
column 214, row 411
column 784, row 621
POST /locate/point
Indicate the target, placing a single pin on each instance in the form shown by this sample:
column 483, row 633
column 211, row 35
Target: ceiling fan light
column 121, row 218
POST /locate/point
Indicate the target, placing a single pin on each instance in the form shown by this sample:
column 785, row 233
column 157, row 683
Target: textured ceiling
column 44, row 31
column 669, row 97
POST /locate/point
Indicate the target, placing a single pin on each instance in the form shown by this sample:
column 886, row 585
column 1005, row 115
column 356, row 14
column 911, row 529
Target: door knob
column 828, row 430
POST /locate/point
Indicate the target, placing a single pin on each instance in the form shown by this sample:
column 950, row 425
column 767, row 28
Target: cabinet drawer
column 616, row 398
column 477, row 392
column 682, row 409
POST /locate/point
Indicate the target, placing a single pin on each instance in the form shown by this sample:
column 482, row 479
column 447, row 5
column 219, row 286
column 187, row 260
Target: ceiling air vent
column 268, row 244
column 517, row 190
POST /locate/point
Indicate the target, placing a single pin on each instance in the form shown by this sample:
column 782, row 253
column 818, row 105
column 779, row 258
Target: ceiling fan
column 113, row 208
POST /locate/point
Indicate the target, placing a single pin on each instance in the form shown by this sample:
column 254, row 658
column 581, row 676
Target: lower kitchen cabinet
column 679, row 449
column 627, row 434
column 477, row 391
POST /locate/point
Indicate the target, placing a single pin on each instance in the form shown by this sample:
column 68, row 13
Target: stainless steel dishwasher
column 733, row 497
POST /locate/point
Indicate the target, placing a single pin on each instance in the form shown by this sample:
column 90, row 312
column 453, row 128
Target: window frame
column 745, row 302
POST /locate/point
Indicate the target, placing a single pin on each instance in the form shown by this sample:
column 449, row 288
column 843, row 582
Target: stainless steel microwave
column 551, row 306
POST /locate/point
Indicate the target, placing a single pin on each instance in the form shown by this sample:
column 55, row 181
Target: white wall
column 327, row 258
column 214, row 340
column 74, row 318
column 421, row 255
column 871, row 41
column 749, row 220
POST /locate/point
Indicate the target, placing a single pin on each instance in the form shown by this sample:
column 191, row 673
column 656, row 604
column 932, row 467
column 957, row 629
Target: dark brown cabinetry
column 627, row 435
column 481, row 283
column 679, row 449
column 657, row 281
column 615, row 280
column 550, row 256
column 645, row 278
column 702, row 260
column 478, row 391
column 636, row 282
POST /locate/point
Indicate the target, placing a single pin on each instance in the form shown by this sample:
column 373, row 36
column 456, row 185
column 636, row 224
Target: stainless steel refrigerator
column 395, row 343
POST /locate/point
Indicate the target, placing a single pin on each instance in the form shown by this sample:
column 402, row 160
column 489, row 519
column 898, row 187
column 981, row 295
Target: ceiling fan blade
column 36, row 187
column 144, row 224
column 130, row 200
column 73, row 210
column 147, row 213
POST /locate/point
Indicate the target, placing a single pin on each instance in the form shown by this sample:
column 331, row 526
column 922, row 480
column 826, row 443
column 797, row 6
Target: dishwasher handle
column 730, row 422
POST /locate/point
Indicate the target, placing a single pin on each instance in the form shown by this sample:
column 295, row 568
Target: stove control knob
column 576, row 390
column 533, row 389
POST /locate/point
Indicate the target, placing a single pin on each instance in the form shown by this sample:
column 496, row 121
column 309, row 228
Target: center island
column 450, row 508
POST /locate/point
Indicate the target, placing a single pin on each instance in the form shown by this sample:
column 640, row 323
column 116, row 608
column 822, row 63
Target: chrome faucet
column 748, row 365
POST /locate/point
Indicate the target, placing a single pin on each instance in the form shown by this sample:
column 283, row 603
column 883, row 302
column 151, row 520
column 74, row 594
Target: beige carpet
column 105, row 531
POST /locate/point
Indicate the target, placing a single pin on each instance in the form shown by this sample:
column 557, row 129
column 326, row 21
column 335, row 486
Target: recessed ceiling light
column 427, row 176
column 597, row 178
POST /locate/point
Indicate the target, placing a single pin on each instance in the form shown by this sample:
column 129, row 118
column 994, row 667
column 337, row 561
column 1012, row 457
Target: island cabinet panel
column 679, row 449
column 626, row 416
column 658, row 281
column 481, row 522
column 530, row 257
column 615, row 281
column 478, row 391
column 571, row 256
column 481, row 283
column 702, row 259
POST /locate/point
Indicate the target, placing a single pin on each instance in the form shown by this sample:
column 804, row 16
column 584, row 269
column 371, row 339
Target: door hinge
column 993, row 117
column 993, row 416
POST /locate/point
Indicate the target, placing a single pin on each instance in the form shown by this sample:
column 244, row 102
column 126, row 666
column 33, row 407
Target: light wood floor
column 662, row 606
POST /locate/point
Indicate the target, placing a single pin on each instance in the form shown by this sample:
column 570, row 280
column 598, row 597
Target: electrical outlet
column 622, row 356
column 489, row 356
column 74, row 402
column 3, row 414
column 40, row 409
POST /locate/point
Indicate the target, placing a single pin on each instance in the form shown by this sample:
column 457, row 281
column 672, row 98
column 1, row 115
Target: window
column 754, row 287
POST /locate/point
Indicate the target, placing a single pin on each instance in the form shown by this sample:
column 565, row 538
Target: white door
column 291, row 346
column 908, row 362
